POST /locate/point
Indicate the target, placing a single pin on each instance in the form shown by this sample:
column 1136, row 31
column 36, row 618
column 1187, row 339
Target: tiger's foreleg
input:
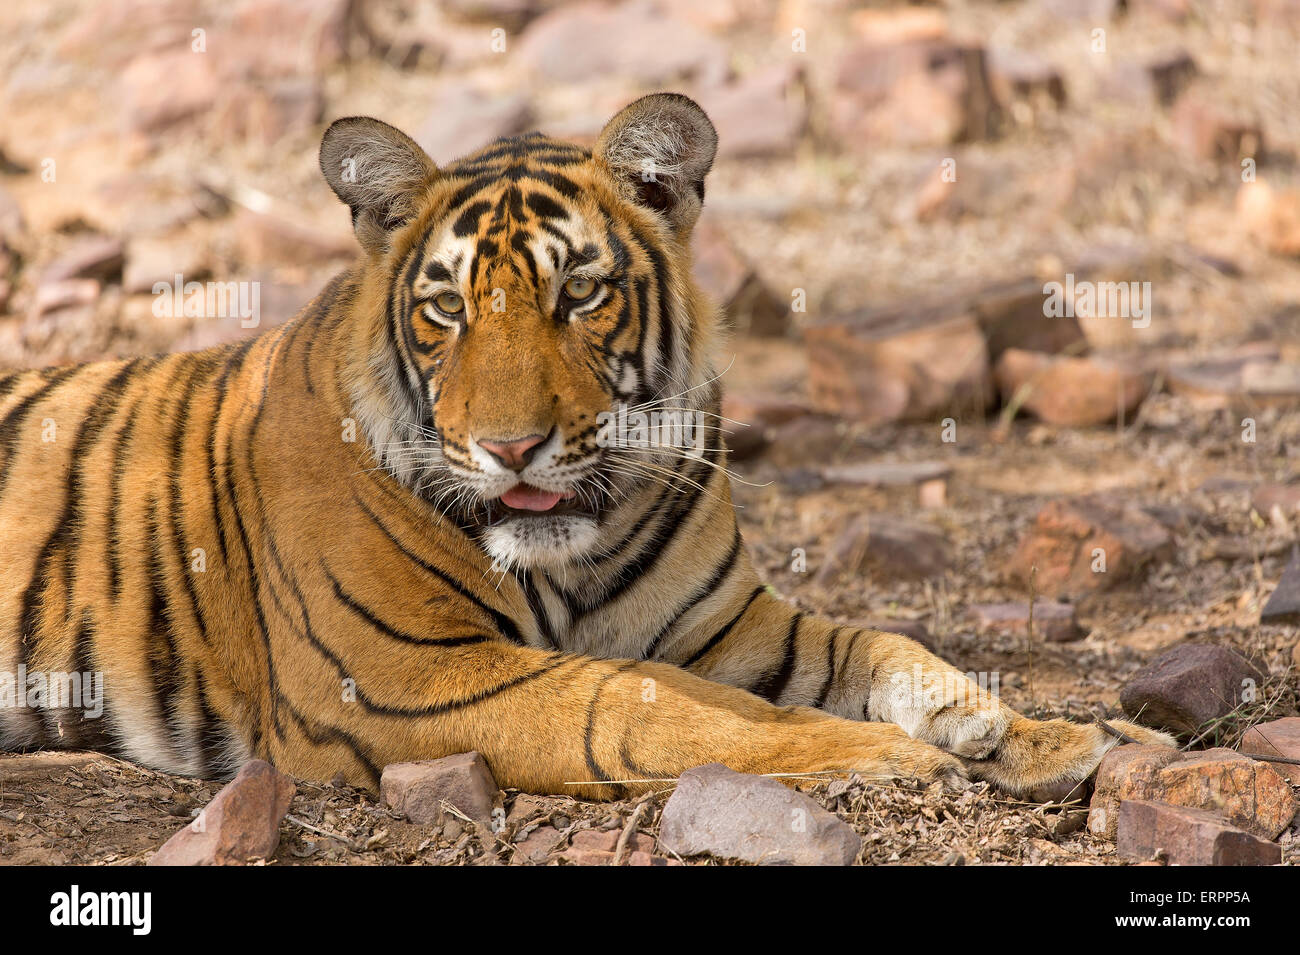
column 790, row 657
column 559, row 723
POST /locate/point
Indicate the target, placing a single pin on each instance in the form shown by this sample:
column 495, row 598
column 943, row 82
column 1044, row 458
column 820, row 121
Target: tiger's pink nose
column 513, row 454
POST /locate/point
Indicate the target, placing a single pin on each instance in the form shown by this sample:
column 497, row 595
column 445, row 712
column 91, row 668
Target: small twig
column 322, row 832
column 626, row 835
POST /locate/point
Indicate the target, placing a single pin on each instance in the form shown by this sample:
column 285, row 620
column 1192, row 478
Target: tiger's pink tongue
column 524, row 497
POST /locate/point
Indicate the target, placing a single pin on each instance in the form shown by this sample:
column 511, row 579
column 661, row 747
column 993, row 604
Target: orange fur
column 284, row 549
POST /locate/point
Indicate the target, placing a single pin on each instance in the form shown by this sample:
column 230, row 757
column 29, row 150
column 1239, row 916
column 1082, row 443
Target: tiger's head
column 530, row 307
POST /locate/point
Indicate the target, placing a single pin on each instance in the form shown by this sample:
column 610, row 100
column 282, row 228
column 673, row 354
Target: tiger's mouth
column 528, row 502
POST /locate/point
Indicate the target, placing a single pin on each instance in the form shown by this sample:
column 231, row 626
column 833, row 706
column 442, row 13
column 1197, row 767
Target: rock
column 1028, row 84
column 1088, row 544
column 241, row 823
column 1188, row 837
column 538, row 844
column 1248, row 378
column 1270, row 216
column 883, row 366
column 292, row 37
column 1275, row 738
column 597, row 847
column 1191, row 684
column 13, row 226
column 728, row 277
column 913, row 358
column 764, row 113
column 1053, row 622
column 1070, row 392
column 632, row 40
column 419, row 789
column 167, row 87
column 898, row 24
column 751, row 421
column 1208, row 131
column 932, row 495
column 886, row 473
column 64, row 293
column 95, row 257
column 1246, row 793
column 265, row 111
column 891, row 547
column 1285, row 497
column 913, row 92
column 275, row 236
column 754, row 819
column 807, row 438
column 1284, row 602
column 464, row 117
column 1170, row 74
column 152, row 260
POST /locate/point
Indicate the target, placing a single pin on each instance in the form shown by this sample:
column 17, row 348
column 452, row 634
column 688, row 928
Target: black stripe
column 700, row 593
column 160, row 646
column 721, row 635
column 830, row 668
column 12, row 423
column 773, row 684
column 589, row 731
column 504, row 625
column 85, row 733
column 677, row 517
column 366, row 614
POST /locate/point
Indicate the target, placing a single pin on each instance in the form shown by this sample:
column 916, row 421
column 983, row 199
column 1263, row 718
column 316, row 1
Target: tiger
column 400, row 525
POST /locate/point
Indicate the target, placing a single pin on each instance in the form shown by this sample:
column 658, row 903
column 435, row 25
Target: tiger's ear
column 661, row 147
column 379, row 171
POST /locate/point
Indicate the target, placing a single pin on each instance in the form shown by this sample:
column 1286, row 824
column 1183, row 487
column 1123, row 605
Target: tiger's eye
column 578, row 289
column 449, row 303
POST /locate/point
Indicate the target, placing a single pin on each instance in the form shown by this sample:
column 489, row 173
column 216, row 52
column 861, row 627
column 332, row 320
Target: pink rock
column 241, row 823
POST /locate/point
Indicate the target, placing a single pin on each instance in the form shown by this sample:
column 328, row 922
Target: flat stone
column 1248, row 794
column 1275, row 738
column 886, row 473
column 763, row 113
column 1188, row 686
column 912, row 91
column 1070, row 392
column 1054, row 622
column 1285, row 497
column 754, row 819
column 419, row 789
column 891, row 547
column 1187, row 837
column 878, row 367
column 240, row 824
column 98, row 257
column 1284, row 602
column 64, row 293
column 729, row 278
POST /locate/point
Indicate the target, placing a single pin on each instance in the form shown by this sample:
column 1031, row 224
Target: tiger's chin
column 543, row 540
